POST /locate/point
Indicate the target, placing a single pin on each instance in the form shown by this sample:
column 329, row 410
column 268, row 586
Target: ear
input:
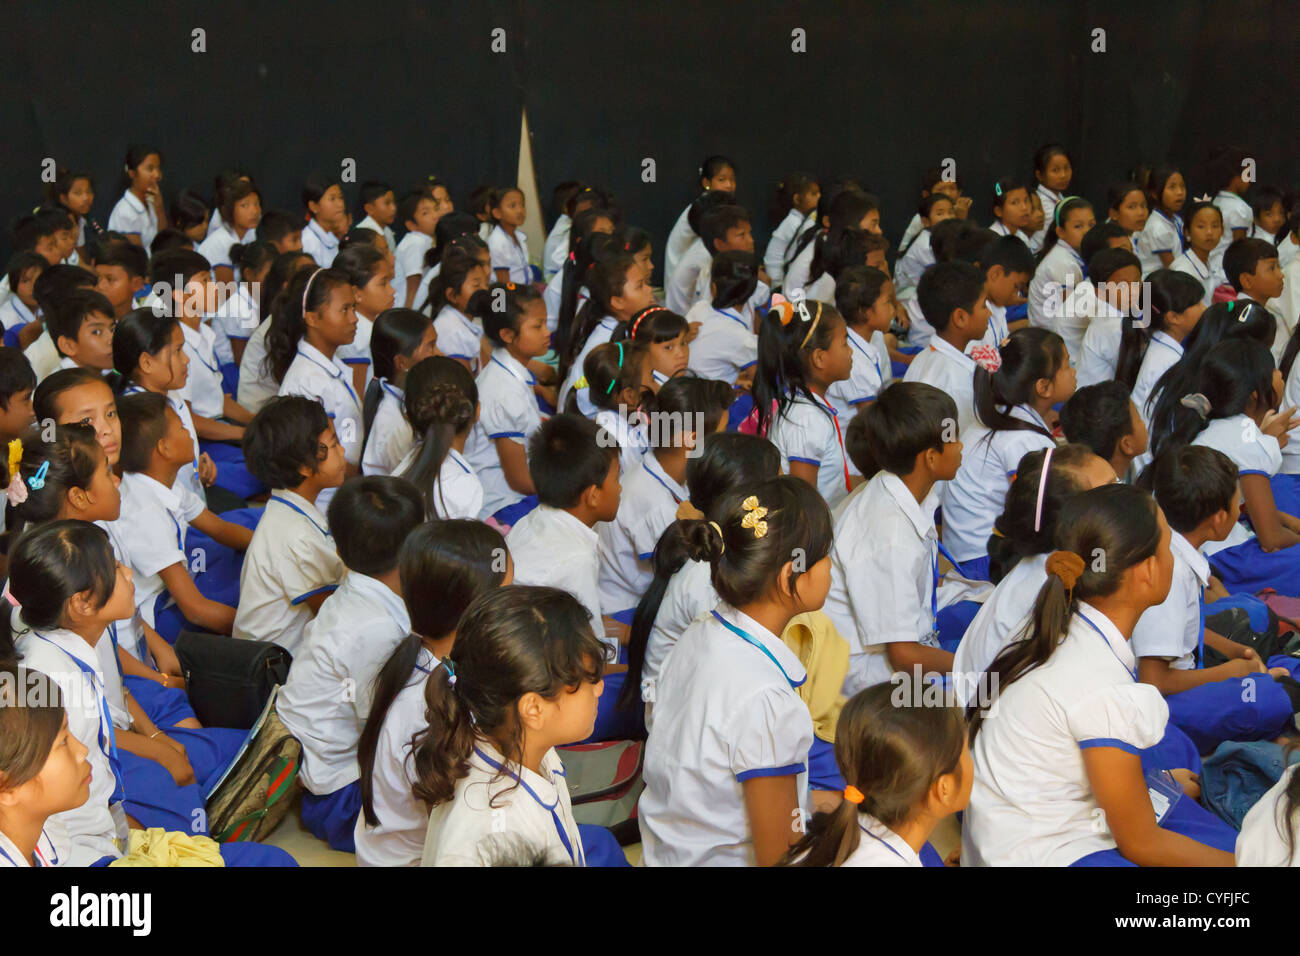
column 137, row 283
column 783, row 582
column 81, row 606
column 402, row 363
column 531, row 709
column 995, row 274
column 508, row 336
column 1043, row 387
column 76, row 499
column 67, row 346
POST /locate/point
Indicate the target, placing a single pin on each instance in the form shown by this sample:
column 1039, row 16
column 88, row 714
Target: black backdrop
column 408, row 88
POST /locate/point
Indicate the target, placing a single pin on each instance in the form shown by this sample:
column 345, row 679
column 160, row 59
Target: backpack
column 259, row 786
column 605, row 783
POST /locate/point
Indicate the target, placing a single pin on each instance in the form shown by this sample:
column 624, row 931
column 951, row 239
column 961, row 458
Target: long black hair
column 786, row 342
column 1028, row 355
column 139, row 332
column 1170, row 292
column 288, row 325
column 441, row 400
column 1232, row 375
column 397, row 331
column 606, row 279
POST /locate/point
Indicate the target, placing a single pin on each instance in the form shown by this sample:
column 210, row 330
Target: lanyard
column 399, row 397
column 734, row 316
column 335, row 373
column 179, row 408
column 869, row 352
column 829, row 409
column 106, row 734
column 881, row 841
column 677, row 499
column 531, row 380
column 580, row 858
column 750, row 639
column 1177, row 222
column 289, row 504
column 215, row 370
column 40, row 857
column 1162, row 338
column 1132, row 671
column 1200, row 646
column 180, row 537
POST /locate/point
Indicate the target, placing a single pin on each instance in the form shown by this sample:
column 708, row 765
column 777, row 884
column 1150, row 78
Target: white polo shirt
column 216, row 245
column 457, row 492
column 1049, row 198
column 973, row 500
column 133, row 217
column 319, row 243
column 631, row 439
column 918, row 257
column 602, row 333
column 409, row 261
column 1286, row 251
column 726, row 711
column 1032, row 803
column 459, row 336
column 398, row 838
column 880, row 846
column 726, row 344
column 883, row 567
column 52, row 847
column 950, row 371
column 626, row 545
column 507, row 409
column 237, row 317
column 1163, row 352
column 679, row 240
column 203, row 389
column 357, row 352
column 552, row 296
column 256, row 386
column 556, row 247
column 500, row 813
column 385, row 231
column 689, row 594
column 390, row 438
column 810, row 432
column 1060, row 271
column 999, row 622
column 329, row 381
column 1290, row 397
column 292, row 557
column 1172, row 629
column 1264, row 831
column 510, row 253
column 552, row 548
column 1253, row 452
column 871, row 372
column 998, row 328
column 1237, row 214
column 784, row 236
column 1162, row 233
column 43, row 356
column 327, row 698
column 682, row 285
column 14, row 314
column 1001, row 229
column 799, row 271
column 1210, row 274
column 1101, row 343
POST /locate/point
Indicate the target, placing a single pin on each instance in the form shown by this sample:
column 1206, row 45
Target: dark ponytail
column 288, row 325
column 139, row 332
column 585, row 252
column 605, row 280
column 846, row 211
column 1028, row 355
column 609, row 369
column 1059, row 215
column 285, row 266
column 397, row 331
column 1230, row 374
column 441, row 400
column 1170, row 292
column 70, row 461
column 1013, row 534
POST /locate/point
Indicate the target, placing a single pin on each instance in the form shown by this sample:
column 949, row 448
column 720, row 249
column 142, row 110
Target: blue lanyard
column 1200, row 647
column 106, row 734
column 453, row 455
column 676, row 497
column 580, row 859
column 289, row 504
column 215, row 370
column 40, row 859
column 399, row 397
column 750, row 639
column 869, row 353
column 1156, row 339
column 881, row 841
column 735, row 317
column 179, row 408
column 180, row 537
column 1132, row 671
column 335, row 373
column 531, row 380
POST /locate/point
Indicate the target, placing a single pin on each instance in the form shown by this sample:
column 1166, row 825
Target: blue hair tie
column 37, row 481
column 451, row 671
column 614, row 380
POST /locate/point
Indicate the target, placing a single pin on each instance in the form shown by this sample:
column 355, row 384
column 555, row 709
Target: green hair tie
column 1056, row 214
column 614, row 380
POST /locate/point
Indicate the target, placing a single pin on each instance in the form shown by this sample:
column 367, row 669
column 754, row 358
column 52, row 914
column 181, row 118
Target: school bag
column 229, row 680
column 259, row 787
column 604, row 785
column 1235, row 625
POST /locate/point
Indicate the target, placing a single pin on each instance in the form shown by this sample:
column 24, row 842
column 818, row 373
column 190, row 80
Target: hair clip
column 718, row 528
column 986, row 357
column 1206, row 198
column 15, row 455
column 783, row 309
column 1042, row 487
column 510, row 287
column 582, row 382
column 803, row 314
column 451, row 671
column 754, row 515
column 1067, row 566
column 37, row 481
column 614, row 381
column 9, row 596
column 649, row 310
column 1197, row 403
column 16, row 493
column 997, row 189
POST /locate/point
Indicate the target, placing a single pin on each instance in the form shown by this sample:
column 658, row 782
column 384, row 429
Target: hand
column 207, row 470
column 1190, row 782
column 1279, row 423
column 1215, row 591
column 169, row 664
column 1279, row 672
column 764, row 277
column 695, row 330
column 174, row 744
column 1241, row 667
column 962, row 206
column 177, row 765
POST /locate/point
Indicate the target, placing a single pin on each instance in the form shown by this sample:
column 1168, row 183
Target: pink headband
column 308, row 288
column 1042, row 486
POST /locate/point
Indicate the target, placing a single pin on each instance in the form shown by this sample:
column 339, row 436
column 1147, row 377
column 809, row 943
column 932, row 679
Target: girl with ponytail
column 908, row 767
column 441, row 404
column 1058, row 771
column 1146, row 354
column 400, row 340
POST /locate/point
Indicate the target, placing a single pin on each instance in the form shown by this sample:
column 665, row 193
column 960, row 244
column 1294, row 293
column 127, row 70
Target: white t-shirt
column 1253, row 452
column 626, row 545
column 810, row 432
column 726, row 344
column 999, row 622
column 390, row 438
column 1264, row 831
column 950, row 371
column 1060, row 271
column 681, row 289
column 1237, row 214
column 689, row 594
column 1210, row 274
column 409, row 261
column 256, row 387
column 552, row 548
column 880, row 846
column 783, row 238
column 329, row 381
column 459, row 336
column 1172, row 629
column 871, row 372
column 319, row 243
column 457, row 493
column 508, row 409
column 556, row 247
column 508, row 253
column 203, row 388
column 602, row 333
column 1160, row 234
column 679, row 240
column 133, row 217
column 1101, row 344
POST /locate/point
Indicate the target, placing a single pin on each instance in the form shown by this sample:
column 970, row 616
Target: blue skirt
column 613, row 723
column 599, row 846
column 739, row 411
column 953, row 621
column 1174, row 752
column 333, row 817
column 154, row 798
column 232, row 473
column 209, row 749
column 1186, row 817
column 1240, row 709
column 1286, row 493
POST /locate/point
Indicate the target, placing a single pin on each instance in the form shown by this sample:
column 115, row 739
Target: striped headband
column 307, row 288
column 644, row 312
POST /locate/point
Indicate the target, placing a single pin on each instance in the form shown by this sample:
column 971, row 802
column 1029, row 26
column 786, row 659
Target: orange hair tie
column 853, row 794
column 1067, row 566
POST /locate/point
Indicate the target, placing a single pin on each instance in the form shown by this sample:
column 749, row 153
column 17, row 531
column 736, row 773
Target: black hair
column 24, row 261
column 849, row 248
column 563, row 195
column 858, row 288
column 1059, row 216
column 28, row 230
column 282, row 270
column 233, row 193
column 1003, row 188
column 369, row 517
column 16, row 375
column 610, row 368
column 315, row 187
column 1244, row 256
column 735, row 277
column 165, row 241
column 1157, row 180
column 1097, row 239
column 906, row 419
column 926, row 206
column 1044, row 154
column 678, row 402
column 71, row 311
column 794, row 184
column 144, row 423
column 1264, row 198
column 1116, row 193
column 444, row 566
column 64, row 179
column 1231, row 375
column 586, row 248
column 188, row 209
column 846, row 211
column 1106, row 262
column 1008, row 252
column 139, row 332
column 70, row 459
column 511, row 641
column 360, row 263
column 459, row 262
column 499, row 195
column 567, row 455
column 456, row 228
column 45, row 398
column 440, row 402
column 56, row 282
column 1191, row 484
column 1170, row 291
column 1098, row 416
column 371, row 190
column 783, row 353
column 1028, row 355
column 959, row 240
column 288, row 325
column 251, row 255
column 946, row 287
column 1191, row 209
column 718, row 221
column 360, row 236
column 31, row 719
column 606, row 280
column 396, row 331
column 511, row 298
column 1224, row 165
column 183, row 263
column 283, row 438
column 654, row 325
column 275, row 224
column 713, row 165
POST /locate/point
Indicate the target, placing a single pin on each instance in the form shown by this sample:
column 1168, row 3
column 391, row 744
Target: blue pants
column 154, row 798
column 209, row 749
column 953, row 620
column 977, row 569
column 217, row 581
column 823, row 771
column 600, row 847
column 613, row 723
column 1186, row 817
column 232, row 473
column 333, row 817
column 1286, row 492
column 1246, row 567
column 510, row 514
column 1241, row 709
column 230, row 377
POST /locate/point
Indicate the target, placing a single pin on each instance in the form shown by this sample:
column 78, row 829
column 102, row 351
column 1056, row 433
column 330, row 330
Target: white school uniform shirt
column 681, row 290
column 204, row 388
column 1049, row 198
column 998, row 328
column 319, row 243
column 43, row 356
column 690, row 593
column 679, row 240
column 457, row 493
column 237, row 318
column 1032, row 803
column 1265, row 829
column 918, row 257
column 880, row 846
column 132, row 217
column 871, row 372
column 1210, row 274
column 409, row 260
column 948, row 370
column 329, row 381
column 327, row 698
column 799, row 271
column 494, row 812
column 390, row 438
column 1253, row 452
column 726, row 711
column 913, row 229
column 1163, row 352
column 556, row 247
column 883, row 563
column 920, row 332
column 783, row 238
column 216, row 245
column 256, row 387
column 1291, row 453
column 1286, row 251
column 357, row 352
column 1237, row 214
column 973, row 500
column 459, row 336
column 726, row 344
column 631, row 439
column 1101, row 344
column 552, row 548
column 149, row 534
column 385, row 231
column 601, row 334
column 811, row 432
column 52, row 847
column 14, row 314
column 626, row 545
column 510, row 253
column 821, row 289
column 1287, row 306
column 96, row 828
column 1060, row 271
column 1162, row 233
column 398, row 838
column 551, row 296
column 1001, row 229
column 1000, row 621
column 1172, row 629
column 508, row 409
column 291, row 558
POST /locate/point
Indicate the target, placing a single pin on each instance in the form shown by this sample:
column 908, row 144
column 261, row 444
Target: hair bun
column 444, row 403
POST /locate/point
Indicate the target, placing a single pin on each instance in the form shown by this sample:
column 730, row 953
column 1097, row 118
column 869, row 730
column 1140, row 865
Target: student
column 81, row 326
column 932, row 181
column 726, row 796
column 17, row 382
column 797, row 196
column 480, row 201
column 850, row 208
column 682, row 285
column 316, row 318
column 665, row 335
column 1202, row 259
column 441, row 405
column 401, row 339
column 139, row 214
column 1269, row 214
column 257, row 383
column 1008, row 269
column 50, row 288
column 852, row 247
column 523, row 677
column 443, row 566
column 380, row 207
column 919, row 256
column 344, row 646
column 618, row 292
column 563, row 204
column 615, row 384
column 910, row 767
column 865, row 297
column 509, row 414
column 1126, row 206
column 1012, row 209
column 74, row 190
column 281, row 230
column 1012, row 405
column 1173, row 308
column 326, row 212
column 20, row 313
column 802, row 350
column 724, row 228
column 1061, row 270
column 1164, row 234
column 122, row 268
column 725, row 346
column 716, row 174
column 236, row 319
column 686, row 409
column 1226, row 170
column 189, row 215
column 1109, row 306
column 292, row 564
column 1104, row 418
column 884, row 588
column 240, row 205
column 452, row 294
column 418, row 211
column 1251, row 266
column 368, row 271
column 507, row 242
column 567, row 289
column 151, row 530
column 1054, row 171
column 951, row 295
column 1269, row 833
column 1037, row 792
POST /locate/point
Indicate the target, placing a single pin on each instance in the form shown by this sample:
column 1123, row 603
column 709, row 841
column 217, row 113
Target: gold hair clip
column 754, row 515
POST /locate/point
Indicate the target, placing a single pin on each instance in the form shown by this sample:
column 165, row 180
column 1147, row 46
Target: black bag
column 229, row 680
column 1234, row 624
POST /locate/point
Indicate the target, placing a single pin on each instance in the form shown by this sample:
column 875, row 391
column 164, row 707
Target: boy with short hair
column 1254, row 272
column 951, row 296
column 49, row 288
column 1104, row 417
column 281, row 230
column 81, row 326
column 682, row 285
column 381, row 209
column 121, row 267
column 418, row 211
column 20, row 314
column 1008, row 266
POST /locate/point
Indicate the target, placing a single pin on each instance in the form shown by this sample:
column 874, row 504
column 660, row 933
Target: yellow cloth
column 824, row 654
column 159, row 847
